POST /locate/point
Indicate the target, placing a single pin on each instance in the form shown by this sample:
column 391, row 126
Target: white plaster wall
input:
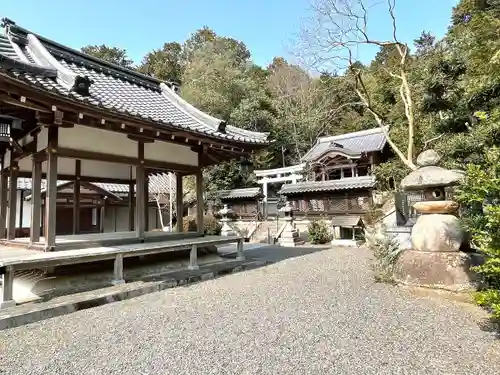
column 42, row 139
column 6, row 158
column 97, row 140
column 26, row 219
column 170, row 152
column 92, row 168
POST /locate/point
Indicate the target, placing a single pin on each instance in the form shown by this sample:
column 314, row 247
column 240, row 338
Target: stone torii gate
column 291, row 174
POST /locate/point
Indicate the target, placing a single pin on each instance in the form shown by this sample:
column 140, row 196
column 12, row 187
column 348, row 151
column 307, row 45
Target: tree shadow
column 274, row 253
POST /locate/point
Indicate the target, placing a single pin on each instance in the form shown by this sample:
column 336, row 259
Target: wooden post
column 76, row 197
column 101, row 216
column 240, row 255
column 193, row 258
column 139, row 199
column 36, row 201
column 11, row 218
column 4, row 180
column 118, row 270
column 146, row 200
column 200, row 204
column 131, row 205
column 51, row 191
column 7, row 288
column 179, row 203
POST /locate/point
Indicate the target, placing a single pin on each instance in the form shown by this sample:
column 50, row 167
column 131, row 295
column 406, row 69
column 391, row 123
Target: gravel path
column 314, row 314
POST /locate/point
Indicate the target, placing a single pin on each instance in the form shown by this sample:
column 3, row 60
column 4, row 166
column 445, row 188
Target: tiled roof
column 318, row 186
column 345, row 221
column 352, row 144
column 158, row 184
column 113, row 88
column 239, row 193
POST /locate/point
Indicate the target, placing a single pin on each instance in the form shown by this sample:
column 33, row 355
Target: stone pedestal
column 439, row 270
column 226, row 229
column 290, row 236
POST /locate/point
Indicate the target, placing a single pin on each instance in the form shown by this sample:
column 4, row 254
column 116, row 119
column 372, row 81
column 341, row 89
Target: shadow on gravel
column 274, row 254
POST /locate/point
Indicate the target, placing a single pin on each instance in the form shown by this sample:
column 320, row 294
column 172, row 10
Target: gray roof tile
column 353, row 144
column 333, row 185
column 120, row 90
column 158, row 184
column 239, row 193
column 345, row 221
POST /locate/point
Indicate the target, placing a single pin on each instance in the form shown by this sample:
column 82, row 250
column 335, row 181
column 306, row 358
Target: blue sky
column 266, row 26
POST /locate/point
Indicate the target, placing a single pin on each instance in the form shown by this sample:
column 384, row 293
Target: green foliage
column 319, row 232
column 113, row 55
column 211, row 225
column 386, row 251
column 480, row 198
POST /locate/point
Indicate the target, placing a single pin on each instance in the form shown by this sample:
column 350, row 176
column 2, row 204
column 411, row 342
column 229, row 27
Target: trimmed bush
column 211, row 225
column 319, row 232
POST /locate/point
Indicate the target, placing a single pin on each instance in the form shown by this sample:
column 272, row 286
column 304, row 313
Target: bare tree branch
column 338, row 29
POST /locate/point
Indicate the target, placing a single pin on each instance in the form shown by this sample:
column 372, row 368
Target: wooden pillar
column 76, row 197
column 7, row 288
column 101, row 216
column 140, row 199
column 131, row 205
column 4, row 180
column 21, row 208
column 11, row 217
column 179, row 203
column 146, row 200
column 36, row 200
column 51, row 190
column 200, row 204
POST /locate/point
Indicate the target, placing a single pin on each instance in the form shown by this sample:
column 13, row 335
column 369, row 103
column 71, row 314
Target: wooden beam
column 76, row 196
column 36, row 201
column 179, row 202
column 90, row 155
column 71, row 177
column 11, row 218
column 23, row 104
column 51, row 191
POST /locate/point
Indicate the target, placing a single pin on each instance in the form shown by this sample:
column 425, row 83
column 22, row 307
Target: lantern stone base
column 438, row 270
column 290, row 238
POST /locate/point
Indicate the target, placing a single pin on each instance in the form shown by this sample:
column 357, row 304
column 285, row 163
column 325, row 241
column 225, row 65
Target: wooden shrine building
column 339, row 180
column 66, row 116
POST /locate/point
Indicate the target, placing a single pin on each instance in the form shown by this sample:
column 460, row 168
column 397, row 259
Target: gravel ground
column 319, row 313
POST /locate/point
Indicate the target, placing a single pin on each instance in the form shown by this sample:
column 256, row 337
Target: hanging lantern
column 244, row 164
column 7, row 123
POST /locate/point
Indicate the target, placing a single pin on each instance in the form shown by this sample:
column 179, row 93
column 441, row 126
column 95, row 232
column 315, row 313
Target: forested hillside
column 443, row 94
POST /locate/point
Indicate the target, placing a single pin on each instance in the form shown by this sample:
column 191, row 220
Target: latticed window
column 317, row 205
column 336, row 204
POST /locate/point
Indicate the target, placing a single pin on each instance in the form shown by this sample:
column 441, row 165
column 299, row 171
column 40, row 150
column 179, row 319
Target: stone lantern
column 435, row 259
column 289, row 236
column 226, row 214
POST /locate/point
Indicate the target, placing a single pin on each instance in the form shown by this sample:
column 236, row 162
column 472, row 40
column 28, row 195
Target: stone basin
column 436, row 207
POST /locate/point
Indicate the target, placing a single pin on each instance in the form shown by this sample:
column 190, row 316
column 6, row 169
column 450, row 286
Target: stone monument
column 437, row 238
column 226, row 214
column 290, row 235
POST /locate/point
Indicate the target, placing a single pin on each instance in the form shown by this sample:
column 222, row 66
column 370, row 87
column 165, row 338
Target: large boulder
column 437, row 232
column 449, row 271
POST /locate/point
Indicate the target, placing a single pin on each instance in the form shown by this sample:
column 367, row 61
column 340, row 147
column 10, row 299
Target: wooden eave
column 26, row 96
